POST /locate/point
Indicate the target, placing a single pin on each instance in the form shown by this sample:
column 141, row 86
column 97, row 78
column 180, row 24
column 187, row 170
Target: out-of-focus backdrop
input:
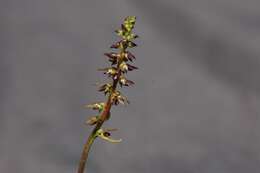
column 195, row 106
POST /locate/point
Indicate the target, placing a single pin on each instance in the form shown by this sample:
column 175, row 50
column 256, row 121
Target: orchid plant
column 120, row 65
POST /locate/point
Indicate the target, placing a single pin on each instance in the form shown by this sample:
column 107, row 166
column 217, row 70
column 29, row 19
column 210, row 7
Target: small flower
column 125, row 82
column 126, row 34
column 122, row 44
column 106, row 88
column 131, row 44
column 111, row 71
column 123, row 67
column 105, row 135
column 113, row 57
column 115, row 46
column 120, row 32
column 117, row 98
column 130, row 36
column 129, row 56
column 97, row 106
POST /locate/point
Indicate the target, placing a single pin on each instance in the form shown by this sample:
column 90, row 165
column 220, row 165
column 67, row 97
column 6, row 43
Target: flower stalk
column 117, row 71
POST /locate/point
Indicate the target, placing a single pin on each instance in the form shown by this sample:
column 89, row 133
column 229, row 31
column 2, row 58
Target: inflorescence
column 120, row 65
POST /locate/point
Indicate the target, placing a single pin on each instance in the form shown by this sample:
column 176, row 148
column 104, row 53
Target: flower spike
column 119, row 66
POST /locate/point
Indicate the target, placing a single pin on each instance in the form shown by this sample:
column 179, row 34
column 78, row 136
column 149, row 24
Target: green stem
column 85, row 152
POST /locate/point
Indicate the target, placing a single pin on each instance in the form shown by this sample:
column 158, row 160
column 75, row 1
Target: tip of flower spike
column 130, row 18
column 126, row 32
column 129, row 22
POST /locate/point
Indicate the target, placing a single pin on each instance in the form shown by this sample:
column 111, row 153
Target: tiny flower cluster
column 119, row 61
column 120, row 65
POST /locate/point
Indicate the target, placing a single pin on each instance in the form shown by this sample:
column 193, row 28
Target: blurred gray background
column 195, row 106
